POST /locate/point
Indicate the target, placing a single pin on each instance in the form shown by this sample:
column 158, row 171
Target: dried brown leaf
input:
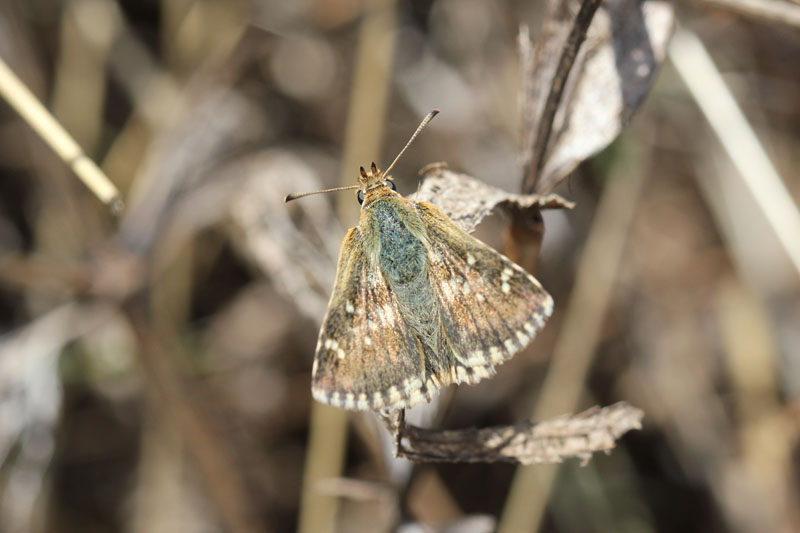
column 551, row 441
column 467, row 200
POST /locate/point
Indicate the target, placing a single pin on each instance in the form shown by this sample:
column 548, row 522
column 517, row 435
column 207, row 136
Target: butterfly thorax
column 401, row 253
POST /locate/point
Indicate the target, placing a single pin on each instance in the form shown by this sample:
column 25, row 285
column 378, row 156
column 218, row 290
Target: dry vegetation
column 155, row 361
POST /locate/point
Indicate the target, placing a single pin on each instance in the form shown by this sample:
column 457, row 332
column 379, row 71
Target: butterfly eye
column 391, row 185
column 360, row 197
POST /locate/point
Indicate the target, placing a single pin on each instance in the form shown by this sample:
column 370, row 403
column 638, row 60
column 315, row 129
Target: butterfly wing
column 490, row 307
column 366, row 358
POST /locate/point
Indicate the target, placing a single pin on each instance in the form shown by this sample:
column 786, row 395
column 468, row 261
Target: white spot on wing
column 470, row 259
column 506, row 288
column 394, row 395
column 548, row 306
column 477, row 357
column 362, row 401
column 372, row 280
column 390, row 318
column 377, row 400
column 349, row 308
column 448, row 291
column 481, row 372
column 495, row 354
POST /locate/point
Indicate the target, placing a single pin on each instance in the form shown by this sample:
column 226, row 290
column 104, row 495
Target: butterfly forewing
column 490, row 307
column 366, row 357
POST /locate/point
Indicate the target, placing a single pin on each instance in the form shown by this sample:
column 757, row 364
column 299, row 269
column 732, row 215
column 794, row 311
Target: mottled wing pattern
column 490, row 307
column 366, row 358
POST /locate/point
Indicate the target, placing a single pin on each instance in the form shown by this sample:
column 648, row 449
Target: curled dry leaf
column 467, row 200
column 615, row 69
column 578, row 436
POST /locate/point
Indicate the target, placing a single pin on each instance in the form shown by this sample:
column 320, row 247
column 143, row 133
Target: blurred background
column 155, row 365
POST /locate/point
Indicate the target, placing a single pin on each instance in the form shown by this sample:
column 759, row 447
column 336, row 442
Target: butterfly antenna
column 421, row 126
column 296, row 195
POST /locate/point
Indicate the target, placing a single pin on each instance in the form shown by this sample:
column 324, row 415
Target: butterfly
column 417, row 304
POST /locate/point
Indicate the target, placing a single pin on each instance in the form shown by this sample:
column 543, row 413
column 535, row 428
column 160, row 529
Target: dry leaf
column 615, row 69
column 467, row 200
column 551, row 441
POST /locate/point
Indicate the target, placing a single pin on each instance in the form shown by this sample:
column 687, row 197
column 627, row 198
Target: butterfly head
column 373, row 184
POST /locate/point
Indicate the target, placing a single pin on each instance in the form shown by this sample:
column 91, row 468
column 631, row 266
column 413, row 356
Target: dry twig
column 546, row 442
column 14, row 91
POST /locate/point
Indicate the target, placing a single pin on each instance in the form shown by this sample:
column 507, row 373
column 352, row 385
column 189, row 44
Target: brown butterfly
column 417, row 304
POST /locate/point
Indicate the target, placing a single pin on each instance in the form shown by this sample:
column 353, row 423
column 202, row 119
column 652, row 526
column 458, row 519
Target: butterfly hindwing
column 366, row 357
column 490, row 307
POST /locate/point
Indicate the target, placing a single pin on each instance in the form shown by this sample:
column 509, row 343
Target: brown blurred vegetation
column 155, row 368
